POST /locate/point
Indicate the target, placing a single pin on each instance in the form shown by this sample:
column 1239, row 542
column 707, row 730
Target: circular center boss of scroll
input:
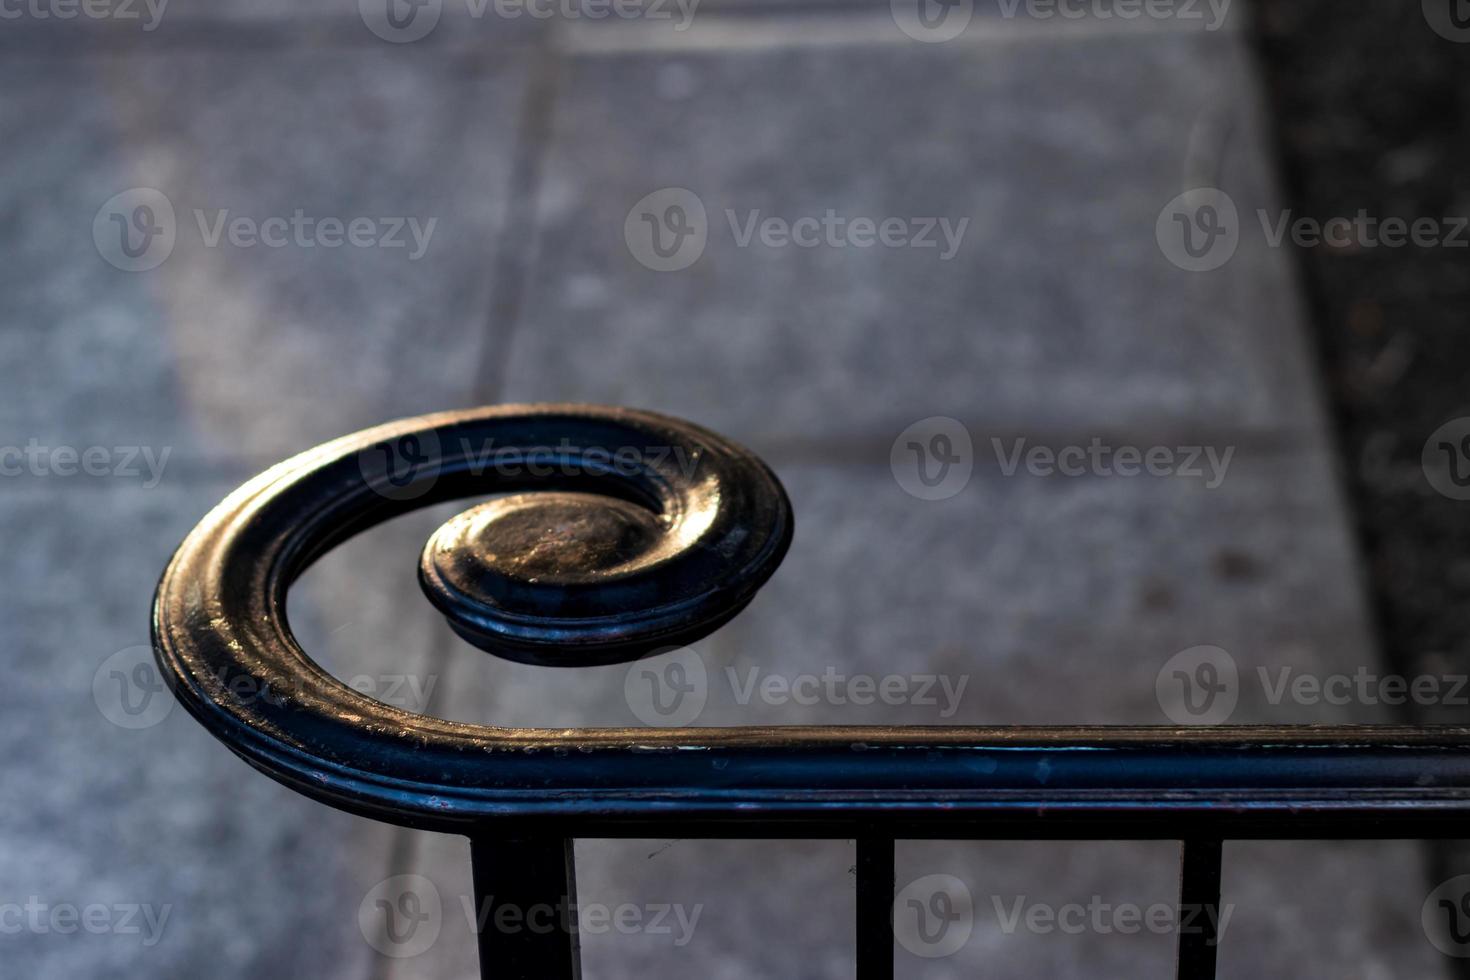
column 539, row 551
column 606, row 563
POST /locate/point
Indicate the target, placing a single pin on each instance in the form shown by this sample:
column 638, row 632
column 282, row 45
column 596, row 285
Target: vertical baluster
column 535, row 880
column 874, row 908
column 1199, row 904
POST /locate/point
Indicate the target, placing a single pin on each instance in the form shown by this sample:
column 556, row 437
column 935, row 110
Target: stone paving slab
column 250, row 351
column 1332, row 909
column 1063, row 600
column 117, row 798
column 1058, row 306
column 674, row 923
column 1311, row 923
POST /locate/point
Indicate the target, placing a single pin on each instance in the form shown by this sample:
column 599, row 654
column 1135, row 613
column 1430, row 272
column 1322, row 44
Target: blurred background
column 1097, row 342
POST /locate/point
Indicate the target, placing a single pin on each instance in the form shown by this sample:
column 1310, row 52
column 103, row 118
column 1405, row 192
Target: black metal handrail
column 683, row 527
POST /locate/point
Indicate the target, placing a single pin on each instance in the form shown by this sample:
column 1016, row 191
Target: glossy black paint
column 592, row 564
column 874, row 867
column 536, row 879
column 1199, row 901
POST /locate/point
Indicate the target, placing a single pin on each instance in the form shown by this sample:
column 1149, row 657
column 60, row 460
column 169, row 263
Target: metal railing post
column 1199, row 908
column 874, row 908
column 526, row 909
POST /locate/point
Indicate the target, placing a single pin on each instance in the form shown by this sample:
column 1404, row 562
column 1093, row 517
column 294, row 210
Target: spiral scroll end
column 563, row 578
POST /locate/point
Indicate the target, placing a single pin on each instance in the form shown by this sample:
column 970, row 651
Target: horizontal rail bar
column 1088, row 783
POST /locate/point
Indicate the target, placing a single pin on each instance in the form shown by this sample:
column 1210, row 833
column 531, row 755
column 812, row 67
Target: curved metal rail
column 628, row 532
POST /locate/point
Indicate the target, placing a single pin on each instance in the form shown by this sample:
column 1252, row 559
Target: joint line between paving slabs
column 515, row 245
